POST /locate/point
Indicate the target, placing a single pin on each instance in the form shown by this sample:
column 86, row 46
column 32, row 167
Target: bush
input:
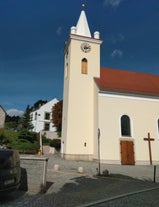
column 56, row 143
column 10, row 138
column 46, row 141
column 24, row 146
column 24, row 134
column 59, row 133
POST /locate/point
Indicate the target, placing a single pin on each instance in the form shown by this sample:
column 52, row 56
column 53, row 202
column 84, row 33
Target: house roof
column 3, row 109
column 128, row 81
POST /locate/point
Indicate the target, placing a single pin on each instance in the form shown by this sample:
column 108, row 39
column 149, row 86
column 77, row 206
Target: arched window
column 125, row 126
column 84, row 66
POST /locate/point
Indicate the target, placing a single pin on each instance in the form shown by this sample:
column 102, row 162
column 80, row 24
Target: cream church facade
column 106, row 112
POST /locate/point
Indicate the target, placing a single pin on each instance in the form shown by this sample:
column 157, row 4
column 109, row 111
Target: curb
column 117, row 197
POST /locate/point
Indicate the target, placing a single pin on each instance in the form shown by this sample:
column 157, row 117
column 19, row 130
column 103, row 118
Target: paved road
column 146, row 199
column 68, row 188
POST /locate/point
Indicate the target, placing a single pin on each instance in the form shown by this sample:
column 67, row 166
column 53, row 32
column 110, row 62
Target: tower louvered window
column 84, row 66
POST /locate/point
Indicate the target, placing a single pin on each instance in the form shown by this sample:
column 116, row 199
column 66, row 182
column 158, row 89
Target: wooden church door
column 127, row 153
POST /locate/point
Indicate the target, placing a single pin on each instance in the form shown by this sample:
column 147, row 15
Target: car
column 10, row 171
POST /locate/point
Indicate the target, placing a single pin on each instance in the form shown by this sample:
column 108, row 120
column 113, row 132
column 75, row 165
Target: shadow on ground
column 10, row 197
column 84, row 190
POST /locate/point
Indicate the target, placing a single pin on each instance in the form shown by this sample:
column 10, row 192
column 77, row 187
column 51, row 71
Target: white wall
column 78, row 106
column 39, row 120
column 143, row 113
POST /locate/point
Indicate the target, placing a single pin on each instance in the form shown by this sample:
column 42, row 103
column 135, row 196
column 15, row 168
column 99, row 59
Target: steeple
column 82, row 27
column 81, row 65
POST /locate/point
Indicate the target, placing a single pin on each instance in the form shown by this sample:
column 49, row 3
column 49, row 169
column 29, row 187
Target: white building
column 42, row 117
column 124, row 105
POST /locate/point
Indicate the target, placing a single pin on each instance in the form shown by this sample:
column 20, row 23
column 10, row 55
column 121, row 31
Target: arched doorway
column 126, row 142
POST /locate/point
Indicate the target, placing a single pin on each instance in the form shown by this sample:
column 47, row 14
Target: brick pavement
column 68, row 188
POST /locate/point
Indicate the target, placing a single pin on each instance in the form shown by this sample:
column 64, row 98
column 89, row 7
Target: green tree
column 38, row 104
column 26, row 119
column 25, row 132
column 22, row 139
column 12, row 122
column 8, row 137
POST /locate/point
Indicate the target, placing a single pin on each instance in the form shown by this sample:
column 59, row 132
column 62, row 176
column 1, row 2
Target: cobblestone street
column 68, row 188
column 146, row 199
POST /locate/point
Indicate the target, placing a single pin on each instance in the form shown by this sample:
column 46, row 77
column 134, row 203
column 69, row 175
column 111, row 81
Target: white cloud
column 113, row 3
column 9, row 104
column 117, row 38
column 15, row 112
column 59, row 31
column 117, row 54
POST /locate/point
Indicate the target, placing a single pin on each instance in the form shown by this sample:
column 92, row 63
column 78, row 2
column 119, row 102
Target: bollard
column 80, row 170
column 56, row 167
column 154, row 175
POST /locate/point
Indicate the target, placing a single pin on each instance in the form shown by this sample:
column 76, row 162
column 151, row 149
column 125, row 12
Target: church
column 108, row 114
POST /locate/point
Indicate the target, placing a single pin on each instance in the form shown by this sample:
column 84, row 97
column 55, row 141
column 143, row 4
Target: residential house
column 42, row 118
column 2, row 117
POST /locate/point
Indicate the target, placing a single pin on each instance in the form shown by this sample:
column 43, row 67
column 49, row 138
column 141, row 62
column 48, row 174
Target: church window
column 125, row 126
column 84, row 66
column 67, row 54
column 66, row 71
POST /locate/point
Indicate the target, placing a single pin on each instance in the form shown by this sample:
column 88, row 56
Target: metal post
column 99, row 173
column 45, row 172
column 154, row 177
column 41, row 142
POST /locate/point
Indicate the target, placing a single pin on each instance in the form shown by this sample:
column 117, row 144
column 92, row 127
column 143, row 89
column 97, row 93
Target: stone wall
column 34, row 170
column 49, row 150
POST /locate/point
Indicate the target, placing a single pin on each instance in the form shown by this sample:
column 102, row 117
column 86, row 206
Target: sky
column 33, row 34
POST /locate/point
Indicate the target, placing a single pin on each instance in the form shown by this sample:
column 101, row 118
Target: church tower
column 81, row 66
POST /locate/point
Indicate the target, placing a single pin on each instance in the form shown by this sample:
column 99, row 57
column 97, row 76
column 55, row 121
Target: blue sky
column 33, row 34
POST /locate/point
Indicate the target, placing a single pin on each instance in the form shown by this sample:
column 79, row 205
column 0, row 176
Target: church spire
column 82, row 27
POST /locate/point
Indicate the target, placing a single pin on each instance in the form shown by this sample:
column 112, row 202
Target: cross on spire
column 83, row 5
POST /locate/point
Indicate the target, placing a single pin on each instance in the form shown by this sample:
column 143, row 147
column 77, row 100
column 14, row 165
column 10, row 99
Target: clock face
column 85, row 47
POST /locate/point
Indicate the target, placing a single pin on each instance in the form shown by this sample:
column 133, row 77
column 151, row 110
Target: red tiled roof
column 128, row 81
